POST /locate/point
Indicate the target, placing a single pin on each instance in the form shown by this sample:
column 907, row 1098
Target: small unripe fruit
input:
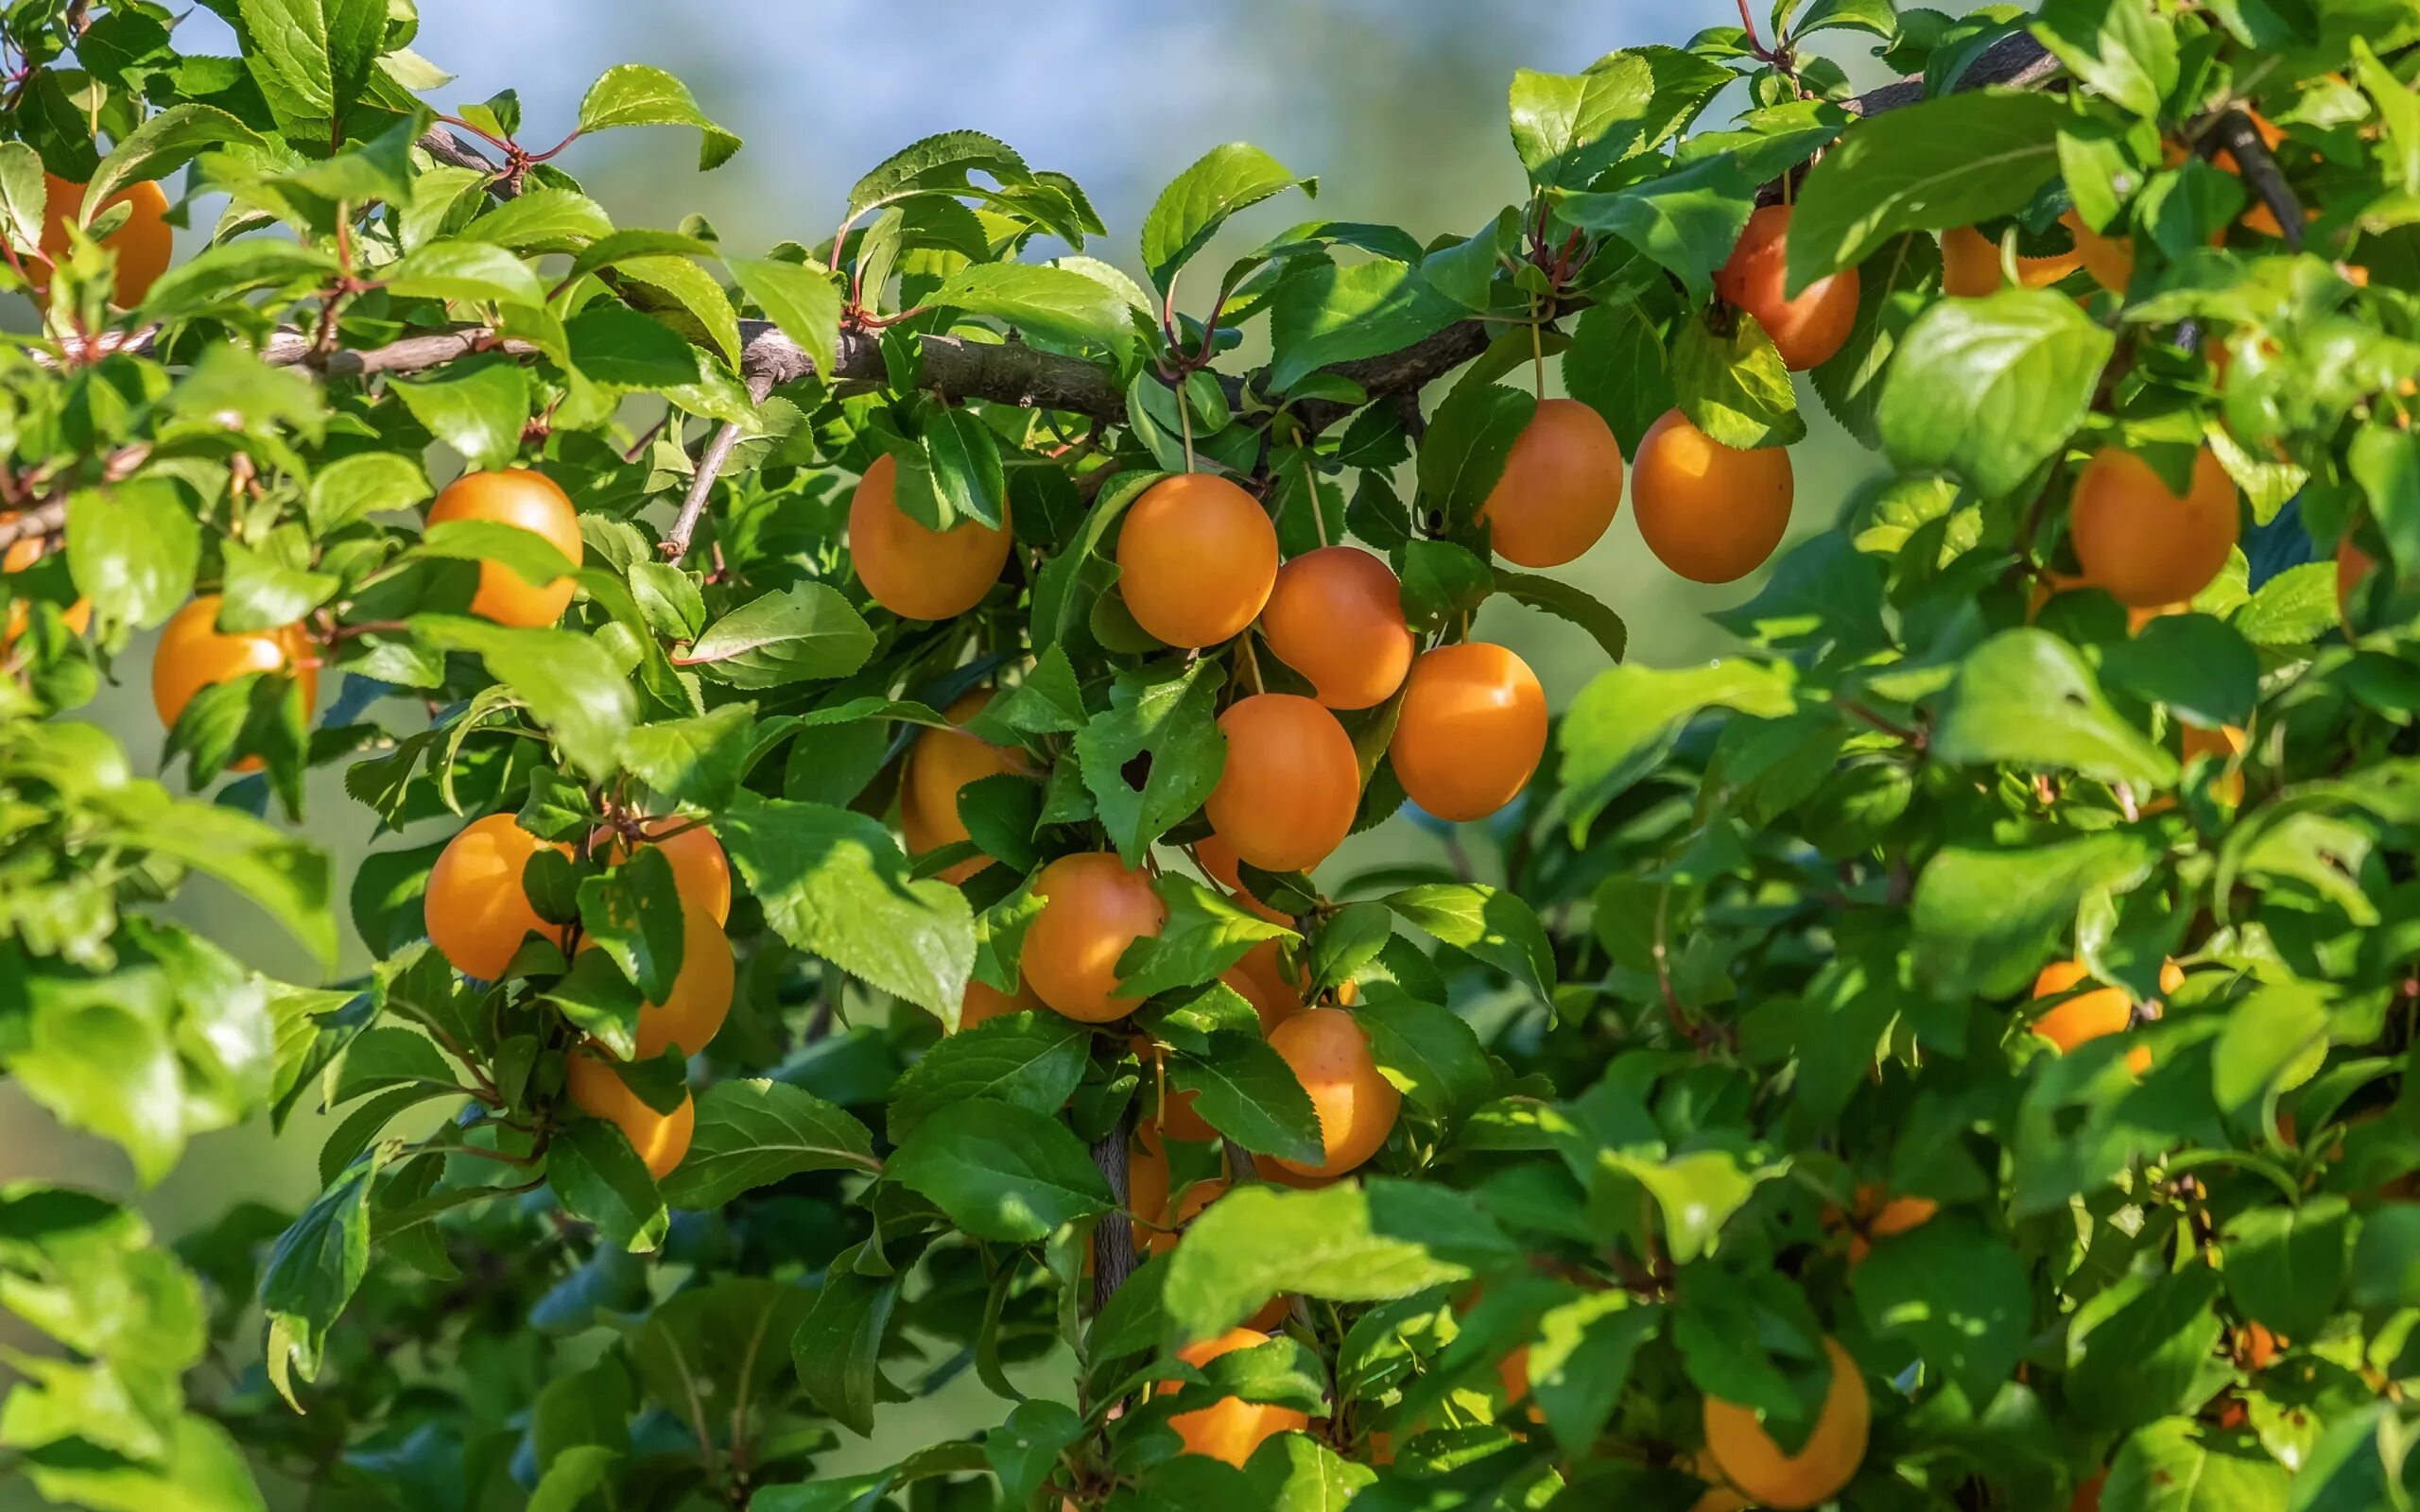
column 1710, row 512
column 1470, row 730
column 1196, row 557
column 529, row 501
column 1335, row 616
column 1094, row 907
column 1559, row 489
column 914, row 572
column 1286, row 796
column 1807, row 329
column 2145, row 545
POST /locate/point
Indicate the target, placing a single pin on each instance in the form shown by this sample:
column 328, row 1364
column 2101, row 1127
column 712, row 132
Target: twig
column 710, row 461
column 452, row 150
column 29, row 524
column 2234, row 134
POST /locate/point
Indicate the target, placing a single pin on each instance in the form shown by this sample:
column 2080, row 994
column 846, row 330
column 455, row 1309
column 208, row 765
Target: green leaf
column 1204, row 933
column 387, row 1056
column 2142, row 1354
column 363, row 484
column 1947, row 162
column 477, row 406
column 2026, row 698
column 834, row 884
column 2200, row 668
column 1169, row 713
column 1430, row 1053
column 1615, row 366
column 1989, row 389
column 2287, row 1267
column 1381, row 1240
column 2386, row 1258
column 1030, row 1061
column 2126, row 53
column 472, row 273
column 284, row 876
column 1323, row 312
column 599, row 1178
column 942, row 161
column 800, row 299
column 2178, row 1465
column 1686, row 221
column 637, row 94
column 1580, row 1362
column 963, row 468
column 1247, row 1091
column 543, row 219
column 23, row 195
column 1570, row 128
column 634, row 914
column 1958, row 1296
column 526, row 553
column 754, row 1133
column 570, row 683
column 1001, row 1171
column 1823, row 592
column 1896, row 283
column 1497, row 927
column 133, row 548
column 313, row 1271
column 697, row 761
column 838, row 1347
column 2294, row 608
column 1626, row 720
column 1735, row 387
column 1054, row 304
column 1190, row 210
column 312, row 58
column 808, row 633
column 1469, row 439
column 165, row 141
column 1985, row 920
column 2276, row 1027
column 2385, row 460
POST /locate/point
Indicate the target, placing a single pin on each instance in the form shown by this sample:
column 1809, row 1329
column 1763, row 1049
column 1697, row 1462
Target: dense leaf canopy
column 858, row 776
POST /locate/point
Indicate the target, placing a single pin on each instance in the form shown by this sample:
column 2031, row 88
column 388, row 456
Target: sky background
column 1398, row 106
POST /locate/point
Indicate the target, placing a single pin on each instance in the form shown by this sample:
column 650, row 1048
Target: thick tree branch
column 2234, row 134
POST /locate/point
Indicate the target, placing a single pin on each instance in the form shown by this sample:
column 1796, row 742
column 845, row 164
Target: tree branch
column 32, row 524
column 2016, row 61
column 2234, row 134
column 1113, row 1237
column 710, row 461
column 452, row 150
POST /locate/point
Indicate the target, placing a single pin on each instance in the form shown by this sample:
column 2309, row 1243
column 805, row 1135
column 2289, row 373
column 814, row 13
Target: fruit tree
column 862, row 726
